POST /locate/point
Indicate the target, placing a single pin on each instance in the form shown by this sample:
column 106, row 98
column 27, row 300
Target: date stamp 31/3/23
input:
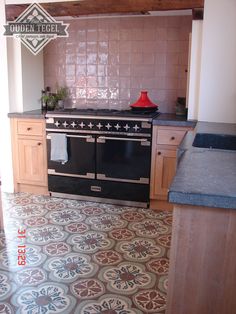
column 21, row 248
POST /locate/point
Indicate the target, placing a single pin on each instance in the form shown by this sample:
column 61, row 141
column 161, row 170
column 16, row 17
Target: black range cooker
column 109, row 155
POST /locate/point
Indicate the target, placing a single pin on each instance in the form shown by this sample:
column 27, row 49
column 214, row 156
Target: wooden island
column 202, row 275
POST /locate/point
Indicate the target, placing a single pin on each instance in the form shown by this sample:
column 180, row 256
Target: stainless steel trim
column 102, row 176
column 98, row 132
column 89, row 175
column 88, row 138
column 95, row 188
column 50, row 120
column 146, row 125
column 81, row 136
column 100, row 200
column 102, row 139
column 52, row 115
column 146, row 143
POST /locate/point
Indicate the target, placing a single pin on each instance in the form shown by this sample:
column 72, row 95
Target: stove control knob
column 73, row 124
column 108, row 126
column 57, row 124
column 90, row 125
column 65, row 124
column 82, row 125
column 136, row 128
column 117, row 126
column 126, row 127
column 99, row 125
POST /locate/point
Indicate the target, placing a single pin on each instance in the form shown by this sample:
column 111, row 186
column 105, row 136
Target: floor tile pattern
column 82, row 257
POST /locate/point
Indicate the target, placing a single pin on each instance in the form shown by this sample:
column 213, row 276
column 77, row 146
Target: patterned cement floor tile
column 72, row 257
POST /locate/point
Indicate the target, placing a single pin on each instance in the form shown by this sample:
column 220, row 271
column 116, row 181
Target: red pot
column 144, row 103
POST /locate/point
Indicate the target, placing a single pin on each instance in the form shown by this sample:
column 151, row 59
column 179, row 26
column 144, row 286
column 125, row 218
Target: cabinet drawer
column 29, row 128
column 170, row 137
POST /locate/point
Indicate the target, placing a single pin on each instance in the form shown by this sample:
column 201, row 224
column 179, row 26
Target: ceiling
column 92, row 7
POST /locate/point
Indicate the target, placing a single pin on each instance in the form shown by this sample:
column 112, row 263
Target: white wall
column 195, row 70
column 26, row 81
column 32, row 78
column 21, row 81
column 217, row 100
column 5, row 135
column 14, row 75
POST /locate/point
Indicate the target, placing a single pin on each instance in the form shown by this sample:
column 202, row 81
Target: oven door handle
column 102, row 176
column 88, row 175
column 89, row 138
column 143, row 141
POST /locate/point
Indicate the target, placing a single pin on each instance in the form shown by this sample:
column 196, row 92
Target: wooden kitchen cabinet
column 166, row 140
column 164, row 167
column 29, row 155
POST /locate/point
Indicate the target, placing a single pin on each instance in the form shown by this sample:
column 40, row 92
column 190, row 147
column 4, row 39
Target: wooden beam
column 88, row 7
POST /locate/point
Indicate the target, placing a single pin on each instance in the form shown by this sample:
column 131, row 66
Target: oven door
column 123, row 159
column 81, row 157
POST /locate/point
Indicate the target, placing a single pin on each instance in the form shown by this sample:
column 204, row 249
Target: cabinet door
column 162, row 173
column 32, row 161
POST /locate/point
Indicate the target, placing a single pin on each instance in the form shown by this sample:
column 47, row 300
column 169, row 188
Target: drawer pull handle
column 172, row 138
column 95, row 188
column 28, row 129
column 39, row 143
column 159, row 153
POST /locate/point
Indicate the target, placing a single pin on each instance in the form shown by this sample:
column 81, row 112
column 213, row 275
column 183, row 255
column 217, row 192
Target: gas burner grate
column 107, row 112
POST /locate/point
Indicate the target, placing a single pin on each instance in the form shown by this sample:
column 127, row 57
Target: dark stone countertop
column 205, row 176
column 171, row 119
column 33, row 114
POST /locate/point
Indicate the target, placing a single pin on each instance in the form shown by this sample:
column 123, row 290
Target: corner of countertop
column 205, row 177
column 171, row 119
column 31, row 114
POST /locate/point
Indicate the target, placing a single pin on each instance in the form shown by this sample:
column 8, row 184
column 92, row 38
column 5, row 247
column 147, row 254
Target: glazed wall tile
column 155, row 48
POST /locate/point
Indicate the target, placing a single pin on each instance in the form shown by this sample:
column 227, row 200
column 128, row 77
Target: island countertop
column 205, row 176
